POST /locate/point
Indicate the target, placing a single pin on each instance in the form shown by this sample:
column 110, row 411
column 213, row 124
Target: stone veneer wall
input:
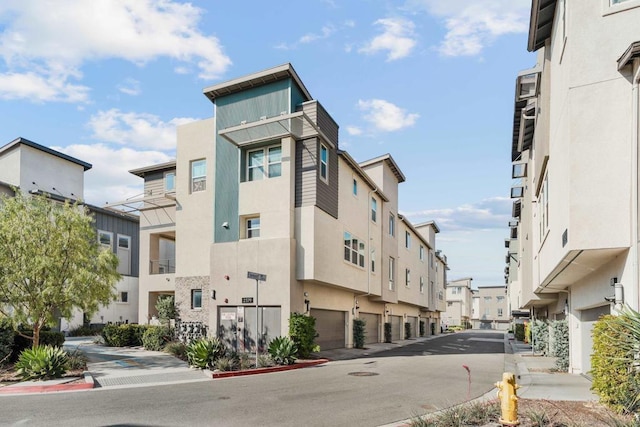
column 184, row 285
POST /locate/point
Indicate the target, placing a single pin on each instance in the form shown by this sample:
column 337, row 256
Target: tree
column 51, row 262
column 166, row 308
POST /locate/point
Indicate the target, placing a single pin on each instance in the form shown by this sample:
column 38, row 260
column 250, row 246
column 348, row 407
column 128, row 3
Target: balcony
column 162, row 266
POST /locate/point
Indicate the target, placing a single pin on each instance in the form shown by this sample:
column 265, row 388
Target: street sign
column 247, row 300
column 256, row 276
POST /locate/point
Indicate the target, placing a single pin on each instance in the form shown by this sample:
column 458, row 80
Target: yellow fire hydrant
column 508, row 399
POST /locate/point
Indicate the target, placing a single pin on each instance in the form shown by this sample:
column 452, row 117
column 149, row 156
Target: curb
column 298, row 365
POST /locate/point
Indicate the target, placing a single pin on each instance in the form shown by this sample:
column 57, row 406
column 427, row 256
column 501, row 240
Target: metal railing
column 162, row 266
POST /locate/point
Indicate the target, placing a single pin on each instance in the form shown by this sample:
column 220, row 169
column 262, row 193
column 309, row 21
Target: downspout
column 635, row 139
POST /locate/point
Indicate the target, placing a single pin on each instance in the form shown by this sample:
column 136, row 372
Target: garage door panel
column 372, row 328
column 397, row 329
column 330, row 326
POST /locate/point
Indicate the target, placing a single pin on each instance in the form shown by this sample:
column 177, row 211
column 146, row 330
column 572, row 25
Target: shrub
column 302, row 330
column 21, row 343
column 156, row 337
column 6, row 340
column 407, row 330
column 265, row 360
column 283, row 350
column 387, row 332
column 124, row 335
column 527, row 332
column 176, row 349
column 42, row 363
column 76, row 360
column 166, row 307
column 359, row 332
column 560, row 332
column 519, row 332
column 204, row 352
column 83, row 331
column 226, row 363
column 422, row 326
column 614, row 377
column 540, row 337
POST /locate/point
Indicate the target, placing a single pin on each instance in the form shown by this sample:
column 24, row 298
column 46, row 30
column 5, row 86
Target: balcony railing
column 162, row 266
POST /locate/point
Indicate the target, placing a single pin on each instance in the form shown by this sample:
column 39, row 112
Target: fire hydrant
column 508, row 399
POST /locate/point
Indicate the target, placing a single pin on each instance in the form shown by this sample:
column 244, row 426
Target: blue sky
column 429, row 81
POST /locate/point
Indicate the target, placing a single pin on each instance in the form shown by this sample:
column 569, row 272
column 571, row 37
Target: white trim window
column 264, row 163
column 198, row 175
column 392, row 225
column 374, row 209
column 169, row 182
column 407, row 240
column 354, row 250
column 355, row 187
column 543, row 206
column 253, row 227
column 407, row 277
column 105, row 239
column 421, row 285
column 123, row 297
column 421, row 253
column 392, row 273
column 324, row 163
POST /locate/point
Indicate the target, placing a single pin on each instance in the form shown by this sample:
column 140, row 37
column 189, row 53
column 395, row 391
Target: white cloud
column 50, row 47
column 130, row 87
column 354, row 130
column 385, row 116
column 141, row 130
column 325, row 32
column 397, row 38
column 472, row 25
column 487, row 214
column 109, row 180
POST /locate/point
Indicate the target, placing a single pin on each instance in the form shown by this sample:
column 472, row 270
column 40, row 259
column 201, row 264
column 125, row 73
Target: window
column 407, row 240
column 253, row 227
column 392, row 269
column 196, row 298
column 430, row 259
column 487, row 312
column 353, row 250
column 124, row 296
column 487, row 300
column 198, row 175
column 421, row 285
column 543, row 205
column 324, row 163
column 499, row 312
column 355, row 187
column 440, row 295
column 499, row 300
column 407, row 277
column 373, row 261
column 374, row 209
column 170, row 181
column 455, row 290
column 265, row 162
column 392, row 225
column 105, row 238
column 124, row 254
column 421, row 253
column 617, row 1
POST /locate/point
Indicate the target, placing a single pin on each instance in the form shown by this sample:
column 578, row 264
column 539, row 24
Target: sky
column 430, row 82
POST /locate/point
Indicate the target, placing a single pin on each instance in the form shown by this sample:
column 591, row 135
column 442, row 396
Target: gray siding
column 310, row 189
column 120, row 224
column 316, row 112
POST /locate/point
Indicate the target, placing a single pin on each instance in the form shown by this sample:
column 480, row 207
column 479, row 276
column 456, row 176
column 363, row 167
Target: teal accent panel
column 296, row 96
column 252, row 104
column 226, row 192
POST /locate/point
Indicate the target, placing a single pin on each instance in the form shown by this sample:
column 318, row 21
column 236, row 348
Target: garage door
column 372, row 327
column 330, row 326
column 413, row 321
column 397, row 329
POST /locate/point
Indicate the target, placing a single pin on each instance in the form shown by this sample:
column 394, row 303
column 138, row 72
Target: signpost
column 258, row 277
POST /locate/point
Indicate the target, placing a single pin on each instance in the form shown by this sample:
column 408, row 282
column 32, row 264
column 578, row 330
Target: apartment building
column 490, row 308
column 459, row 298
column 573, row 250
column 35, row 169
column 262, row 215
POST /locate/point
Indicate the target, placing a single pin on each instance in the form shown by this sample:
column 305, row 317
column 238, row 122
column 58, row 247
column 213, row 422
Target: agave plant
column 42, row 363
column 283, row 350
column 204, row 352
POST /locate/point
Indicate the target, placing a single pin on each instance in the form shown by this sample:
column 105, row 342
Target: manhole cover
column 363, row 374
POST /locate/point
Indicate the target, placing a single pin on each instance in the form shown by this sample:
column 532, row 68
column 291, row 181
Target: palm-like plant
column 204, row 352
column 283, row 350
column 42, row 363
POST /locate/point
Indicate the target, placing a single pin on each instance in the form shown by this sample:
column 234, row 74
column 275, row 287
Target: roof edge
column 86, row 166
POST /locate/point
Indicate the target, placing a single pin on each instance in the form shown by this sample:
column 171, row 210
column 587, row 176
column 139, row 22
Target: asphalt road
column 383, row 388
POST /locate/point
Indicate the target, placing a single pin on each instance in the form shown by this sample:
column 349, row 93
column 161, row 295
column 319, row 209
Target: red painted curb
column 216, row 375
column 45, row 388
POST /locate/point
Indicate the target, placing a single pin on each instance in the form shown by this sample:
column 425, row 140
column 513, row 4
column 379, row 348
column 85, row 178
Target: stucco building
column 490, row 308
column 459, row 298
column 263, row 188
column 35, row 169
column 573, row 249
